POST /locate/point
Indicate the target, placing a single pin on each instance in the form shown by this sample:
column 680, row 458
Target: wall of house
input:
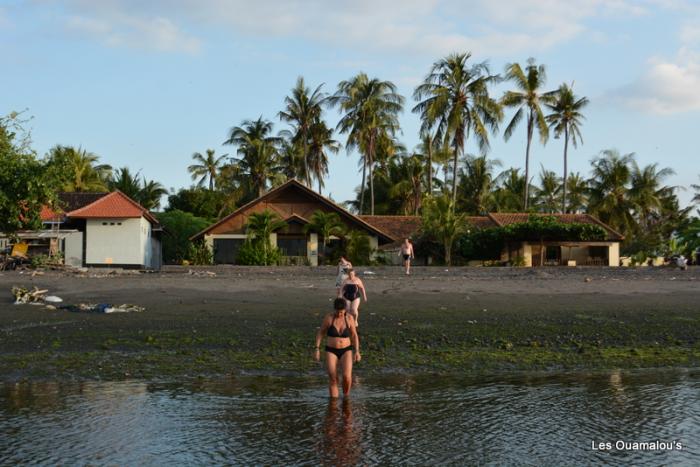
column 312, row 249
column 119, row 242
column 614, row 254
column 73, row 249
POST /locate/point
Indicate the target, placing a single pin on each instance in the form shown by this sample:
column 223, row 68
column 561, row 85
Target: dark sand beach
column 451, row 320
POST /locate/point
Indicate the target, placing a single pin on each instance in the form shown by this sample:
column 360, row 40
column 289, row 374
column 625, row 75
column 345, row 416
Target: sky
column 147, row 84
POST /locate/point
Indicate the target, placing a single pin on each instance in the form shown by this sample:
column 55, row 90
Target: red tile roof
column 398, row 227
column 68, row 202
column 115, row 205
column 49, row 215
column 502, row 219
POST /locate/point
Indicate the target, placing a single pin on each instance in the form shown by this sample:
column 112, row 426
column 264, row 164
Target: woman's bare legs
column 332, row 367
column 346, row 366
column 353, row 309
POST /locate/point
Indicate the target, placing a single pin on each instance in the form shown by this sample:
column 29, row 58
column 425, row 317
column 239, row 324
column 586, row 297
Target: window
column 292, row 245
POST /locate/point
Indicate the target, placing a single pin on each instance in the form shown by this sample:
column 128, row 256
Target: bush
column 179, row 227
column 252, row 253
column 199, row 254
column 357, row 248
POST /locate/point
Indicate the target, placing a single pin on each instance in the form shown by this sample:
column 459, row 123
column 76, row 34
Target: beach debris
column 50, row 307
column 102, row 308
column 192, row 272
column 587, row 279
column 471, row 321
column 53, row 299
column 23, row 295
column 125, row 308
column 369, row 273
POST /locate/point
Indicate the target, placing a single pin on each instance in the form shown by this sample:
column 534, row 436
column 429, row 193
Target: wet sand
column 437, row 319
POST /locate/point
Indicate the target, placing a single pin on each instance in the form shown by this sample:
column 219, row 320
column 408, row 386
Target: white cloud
column 667, row 87
column 425, row 27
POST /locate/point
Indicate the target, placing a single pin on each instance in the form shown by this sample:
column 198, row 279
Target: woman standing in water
column 350, row 291
column 343, row 266
column 341, row 340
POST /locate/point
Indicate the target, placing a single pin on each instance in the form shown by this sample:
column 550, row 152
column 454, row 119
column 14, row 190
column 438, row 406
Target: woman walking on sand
column 351, row 289
column 343, row 266
column 342, row 346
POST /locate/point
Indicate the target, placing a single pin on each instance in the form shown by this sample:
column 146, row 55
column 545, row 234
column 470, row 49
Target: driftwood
column 23, row 295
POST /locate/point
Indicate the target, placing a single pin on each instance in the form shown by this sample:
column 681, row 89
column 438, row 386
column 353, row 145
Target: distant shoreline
column 262, row 321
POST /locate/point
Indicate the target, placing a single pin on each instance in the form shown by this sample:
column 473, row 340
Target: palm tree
column 511, row 188
column 577, row 189
column 527, row 99
column 427, row 147
column 454, row 100
column 696, row 198
column 370, row 109
column 206, row 167
column 646, row 192
column 609, row 189
column 261, row 225
column 566, row 118
column 77, row 169
column 441, row 222
column 320, row 143
column 303, row 109
column 126, row 182
column 477, row 185
column 548, row 193
column 326, row 225
column 259, row 152
column 410, row 187
column 151, row 193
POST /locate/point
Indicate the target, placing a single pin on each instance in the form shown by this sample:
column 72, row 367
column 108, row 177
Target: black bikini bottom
column 338, row 352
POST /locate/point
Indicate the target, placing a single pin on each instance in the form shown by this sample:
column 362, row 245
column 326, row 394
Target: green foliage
column 542, row 228
column 199, row 202
column 254, row 253
column 481, row 244
column 200, row 254
column 76, row 169
column 442, row 224
column 357, row 248
column 179, row 227
column 24, row 186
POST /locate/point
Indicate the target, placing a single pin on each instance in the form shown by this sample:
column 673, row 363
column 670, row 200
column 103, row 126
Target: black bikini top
column 333, row 332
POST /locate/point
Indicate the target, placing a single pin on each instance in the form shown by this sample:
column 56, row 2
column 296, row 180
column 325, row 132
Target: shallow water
column 522, row 419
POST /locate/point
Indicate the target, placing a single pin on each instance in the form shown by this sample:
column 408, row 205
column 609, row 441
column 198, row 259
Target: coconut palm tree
column 78, row 170
column 303, row 109
column 261, row 225
column 454, row 101
column 427, row 147
column 258, row 151
column 548, row 193
column 527, row 99
column 409, row 189
column 441, row 222
column 321, row 142
column 696, row 198
column 609, row 189
column 577, row 193
column 511, row 188
column 566, row 118
column 151, row 193
column 326, row 225
column 477, row 185
column 206, row 167
column 126, row 182
column 369, row 109
column 647, row 192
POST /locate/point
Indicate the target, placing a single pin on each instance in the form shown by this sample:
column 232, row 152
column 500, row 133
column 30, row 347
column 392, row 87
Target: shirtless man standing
column 407, row 253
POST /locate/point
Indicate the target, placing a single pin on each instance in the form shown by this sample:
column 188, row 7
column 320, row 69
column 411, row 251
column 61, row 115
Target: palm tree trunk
column 530, row 122
column 566, row 147
column 362, row 187
column 454, row 176
column 430, row 165
column 319, row 186
column 371, row 174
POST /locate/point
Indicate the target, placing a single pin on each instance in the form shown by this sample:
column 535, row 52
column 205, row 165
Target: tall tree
column 258, row 151
column 527, row 99
column 370, row 109
column 126, row 182
column 547, row 196
column 609, row 189
column 321, row 142
column 511, row 188
column 75, row 169
column 303, row 109
column 151, row 193
column 477, row 185
column 410, row 188
column 566, row 118
column 454, row 100
column 206, row 167
column 647, row 192
column 577, row 189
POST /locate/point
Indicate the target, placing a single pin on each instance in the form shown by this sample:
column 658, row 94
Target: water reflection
column 428, row 419
column 341, row 442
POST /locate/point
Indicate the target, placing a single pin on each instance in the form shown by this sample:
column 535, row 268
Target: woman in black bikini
column 351, row 289
column 339, row 328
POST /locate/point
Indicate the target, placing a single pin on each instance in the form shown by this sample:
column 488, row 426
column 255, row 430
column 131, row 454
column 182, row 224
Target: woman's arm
column 355, row 338
column 319, row 336
column 362, row 287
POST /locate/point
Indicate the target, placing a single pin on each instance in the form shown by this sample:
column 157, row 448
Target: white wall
column 114, row 243
column 73, row 250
